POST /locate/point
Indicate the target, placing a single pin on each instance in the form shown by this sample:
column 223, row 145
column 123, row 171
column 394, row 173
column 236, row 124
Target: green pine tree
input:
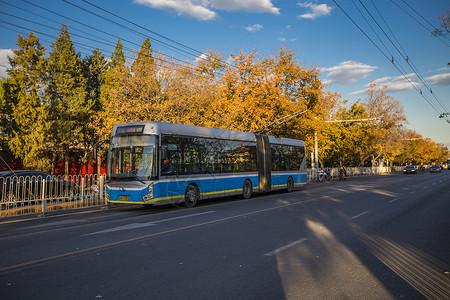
column 6, row 120
column 66, row 93
column 117, row 57
column 94, row 68
column 27, row 106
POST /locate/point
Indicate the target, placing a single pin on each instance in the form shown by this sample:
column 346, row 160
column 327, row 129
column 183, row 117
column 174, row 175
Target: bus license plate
column 124, row 198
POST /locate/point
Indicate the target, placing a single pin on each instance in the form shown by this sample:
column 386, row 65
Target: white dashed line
column 278, row 250
column 359, row 215
column 146, row 224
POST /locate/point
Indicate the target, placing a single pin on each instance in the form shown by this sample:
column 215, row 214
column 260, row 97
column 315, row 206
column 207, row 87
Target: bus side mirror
column 164, row 153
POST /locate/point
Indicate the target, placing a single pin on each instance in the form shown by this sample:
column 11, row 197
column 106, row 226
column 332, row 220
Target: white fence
column 34, row 194
column 361, row 171
column 30, row 194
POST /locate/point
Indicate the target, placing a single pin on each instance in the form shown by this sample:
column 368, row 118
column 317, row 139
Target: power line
column 82, row 45
column 389, row 59
column 405, row 58
column 129, row 29
column 421, row 24
column 153, row 32
column 94, row 28
column 108, row 43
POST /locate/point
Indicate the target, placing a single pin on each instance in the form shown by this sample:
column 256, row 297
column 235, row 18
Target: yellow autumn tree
column 187, row 92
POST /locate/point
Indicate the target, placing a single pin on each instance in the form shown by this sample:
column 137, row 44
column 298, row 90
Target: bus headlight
column 149, row 194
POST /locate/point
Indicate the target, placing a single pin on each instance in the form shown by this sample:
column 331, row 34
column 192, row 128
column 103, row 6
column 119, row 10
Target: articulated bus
column 156, row 163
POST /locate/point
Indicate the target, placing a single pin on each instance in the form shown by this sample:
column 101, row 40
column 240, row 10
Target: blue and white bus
column 156, row 163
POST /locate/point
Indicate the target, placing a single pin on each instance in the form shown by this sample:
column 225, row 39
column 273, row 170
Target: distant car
column 435, row 168
column 27, row 185
column 410, row 170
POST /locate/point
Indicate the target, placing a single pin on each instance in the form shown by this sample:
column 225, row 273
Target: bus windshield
column 133, row 157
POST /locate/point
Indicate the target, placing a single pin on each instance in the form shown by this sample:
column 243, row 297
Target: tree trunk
column 66, row 163
column 99, row 164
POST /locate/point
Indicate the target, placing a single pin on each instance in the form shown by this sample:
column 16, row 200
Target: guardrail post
column 44, row 199
column 102, row 190
column 82, row 189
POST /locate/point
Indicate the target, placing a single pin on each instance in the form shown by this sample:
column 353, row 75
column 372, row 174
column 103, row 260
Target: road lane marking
column 156, row 234
column 359, row 215
column 290, row 245
column 393, row 200
column 51, row 224
column 146, row 224
column 412, row 192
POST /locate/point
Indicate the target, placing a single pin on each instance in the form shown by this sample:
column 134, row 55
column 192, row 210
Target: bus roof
column 158, row 128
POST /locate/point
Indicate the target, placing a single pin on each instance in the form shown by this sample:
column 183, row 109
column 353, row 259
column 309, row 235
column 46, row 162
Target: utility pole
column 316, row 150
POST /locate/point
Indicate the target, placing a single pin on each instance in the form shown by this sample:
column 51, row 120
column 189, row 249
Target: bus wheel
column 191, row 196
column 290, row 184
column 247, row 189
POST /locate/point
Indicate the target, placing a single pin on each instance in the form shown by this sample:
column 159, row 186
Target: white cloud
column 347, row 72
column 282, row 39
column 259, row 6
column 439, row 79
column 407, row 82
column 204, row 9
column 192, row 8
column 316, row 10
column 4, row 62
column 254, row 28
column 397, row 83
column 393, row 83
column 201, row 58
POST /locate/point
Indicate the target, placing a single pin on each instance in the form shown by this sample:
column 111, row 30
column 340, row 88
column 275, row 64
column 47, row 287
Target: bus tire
column 290, row 185
column 247, row 189
column 191, row 196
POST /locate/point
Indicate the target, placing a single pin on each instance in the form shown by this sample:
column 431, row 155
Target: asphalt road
column 380, row 237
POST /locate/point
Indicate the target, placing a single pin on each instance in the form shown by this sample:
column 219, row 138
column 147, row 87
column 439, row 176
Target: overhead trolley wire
column 51, row 20
column 83, row 24
column 155, row 33
column 373, row 30
column 434, row 28
column 137, row 25
column 108, row 43
column 421, row 24
column 388, row 58
column 405, row 57
column 130, row 29
column 88, row 47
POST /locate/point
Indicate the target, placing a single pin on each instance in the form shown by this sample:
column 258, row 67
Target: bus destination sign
column 130, row 129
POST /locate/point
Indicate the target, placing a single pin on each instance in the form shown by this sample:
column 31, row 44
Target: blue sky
column 318, row 31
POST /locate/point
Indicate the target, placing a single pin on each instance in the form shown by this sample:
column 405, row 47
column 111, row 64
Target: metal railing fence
column 356, row 171
column 35, row 194
column 21, row 195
